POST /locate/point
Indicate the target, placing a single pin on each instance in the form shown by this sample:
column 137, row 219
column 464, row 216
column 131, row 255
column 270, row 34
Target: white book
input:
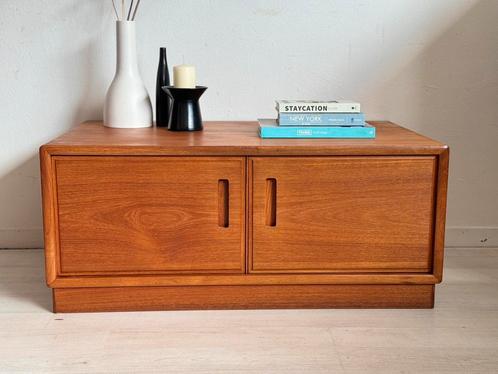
column 312, row 106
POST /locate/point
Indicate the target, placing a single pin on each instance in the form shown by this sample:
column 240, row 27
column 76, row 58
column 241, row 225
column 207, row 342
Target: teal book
column 268, row 128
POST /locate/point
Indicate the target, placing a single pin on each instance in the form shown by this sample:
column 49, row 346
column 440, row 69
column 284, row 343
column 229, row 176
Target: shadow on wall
column 20, row 197
column 90, row 105
column 450, row 92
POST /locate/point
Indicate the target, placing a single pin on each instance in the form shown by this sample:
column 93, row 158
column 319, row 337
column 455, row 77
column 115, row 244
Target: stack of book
column 317, row 119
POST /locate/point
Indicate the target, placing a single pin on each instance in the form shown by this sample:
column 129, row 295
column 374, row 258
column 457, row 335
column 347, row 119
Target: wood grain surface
column 253, row 279
column 234, row 139
column 347, row 213
column 68, row 300
column 440, row 213
column 142, row 219
column 50, row 215
column 135, row 214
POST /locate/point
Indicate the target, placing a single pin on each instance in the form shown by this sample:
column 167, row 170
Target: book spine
column 318, row 132
column 322, row 119
column 303, row 107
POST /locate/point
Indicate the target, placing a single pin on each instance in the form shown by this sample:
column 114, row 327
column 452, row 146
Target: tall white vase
column 127, row 103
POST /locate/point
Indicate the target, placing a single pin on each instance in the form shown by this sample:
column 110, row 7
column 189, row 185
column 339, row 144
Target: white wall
column 429, row 65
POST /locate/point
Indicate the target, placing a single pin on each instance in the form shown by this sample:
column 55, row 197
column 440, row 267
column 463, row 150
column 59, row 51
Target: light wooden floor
column 459, row 336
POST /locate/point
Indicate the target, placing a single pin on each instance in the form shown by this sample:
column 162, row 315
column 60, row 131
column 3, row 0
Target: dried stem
column 129, row 10
column 115, row 10
column 122, row 9
column 135, row 12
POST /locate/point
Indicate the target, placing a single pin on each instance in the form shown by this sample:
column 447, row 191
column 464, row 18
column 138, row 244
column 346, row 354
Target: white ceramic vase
column 127, row 103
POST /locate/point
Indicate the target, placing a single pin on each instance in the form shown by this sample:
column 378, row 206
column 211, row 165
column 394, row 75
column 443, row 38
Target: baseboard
column 21, row 238
column 471, row 236
column 455, row 237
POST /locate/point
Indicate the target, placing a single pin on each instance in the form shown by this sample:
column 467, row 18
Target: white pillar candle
column 184, row 76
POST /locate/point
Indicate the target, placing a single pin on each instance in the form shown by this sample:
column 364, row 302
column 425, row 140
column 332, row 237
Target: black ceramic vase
column 185, row 114
column 162, row 99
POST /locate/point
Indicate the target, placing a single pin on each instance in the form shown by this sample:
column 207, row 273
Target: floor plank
column 459, row 336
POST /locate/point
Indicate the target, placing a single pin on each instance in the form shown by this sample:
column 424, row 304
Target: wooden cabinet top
column 237, row 138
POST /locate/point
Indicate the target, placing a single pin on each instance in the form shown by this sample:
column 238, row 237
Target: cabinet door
column 150, row 214
column 342, row 214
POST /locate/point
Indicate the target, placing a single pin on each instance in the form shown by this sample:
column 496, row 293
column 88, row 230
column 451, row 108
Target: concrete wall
column 431, row 66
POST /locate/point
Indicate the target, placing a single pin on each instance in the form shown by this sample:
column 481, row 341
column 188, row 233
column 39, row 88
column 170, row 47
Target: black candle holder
column 185, row 113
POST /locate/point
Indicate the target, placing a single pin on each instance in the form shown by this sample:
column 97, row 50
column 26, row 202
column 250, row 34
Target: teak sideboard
column 147, row 219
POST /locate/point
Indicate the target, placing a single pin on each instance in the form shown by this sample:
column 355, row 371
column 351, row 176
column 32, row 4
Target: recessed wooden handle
column 271, row 202
column 223, row 203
